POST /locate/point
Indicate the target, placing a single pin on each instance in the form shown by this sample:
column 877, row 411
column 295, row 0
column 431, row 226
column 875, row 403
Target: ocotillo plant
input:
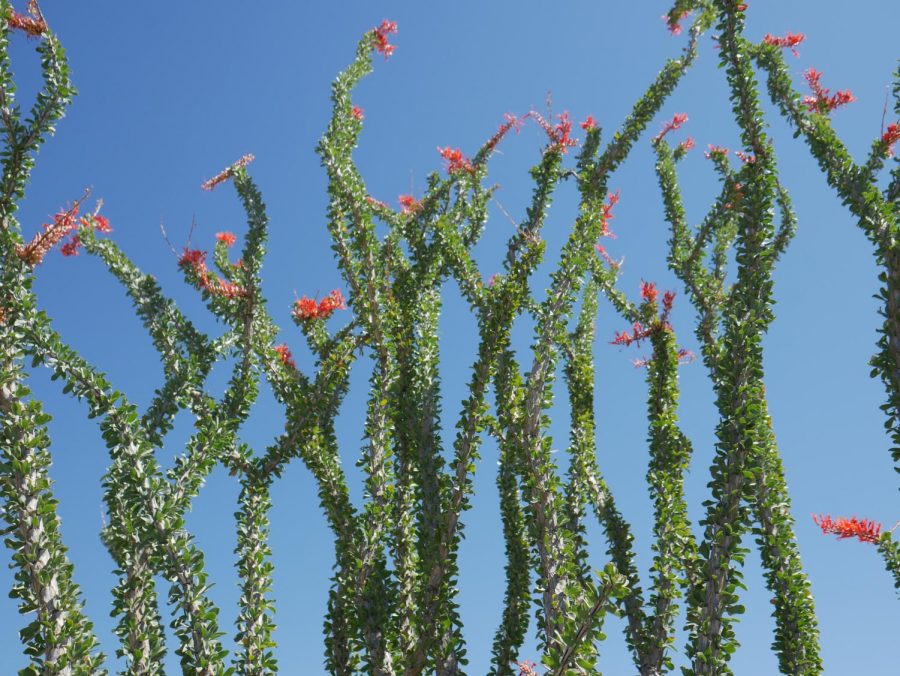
column 393, row 602
column 876, row 209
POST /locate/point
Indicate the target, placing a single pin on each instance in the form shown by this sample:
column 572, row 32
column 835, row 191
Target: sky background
column 170, row 93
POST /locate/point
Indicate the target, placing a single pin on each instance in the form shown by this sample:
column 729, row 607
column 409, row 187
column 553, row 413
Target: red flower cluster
column 675, row 123
column 357, row 112
column 687, row 144
column 380, row 38
column 333, row 301
column 225, row 174
column 559, row 133
column 527, row 668
column 562, row 130
column 821, row 101
column 606, row 257
column 891, row 136
column 456, row 161
column 789, row 41
column 674, row 24
column 639, row 332
column 685, row 356
column 409, row 204
column 63, row 224
column 715, row 151
column 33, row 26
column 192, row 258
column 668, row 299
column 208, row 281
column 606, row 214
column 864, row 530
column 746, row 158
column 649, row 291
column 307, row 308
column 589, row 123
column 284, row 354
column 511, row 122
column 227, row 238
column 97, row 222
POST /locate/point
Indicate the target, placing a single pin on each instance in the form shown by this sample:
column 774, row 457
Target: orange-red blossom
column 307, row 308
column 64, row 223
column 864, row 530
column 33, row 26
column 208, row 281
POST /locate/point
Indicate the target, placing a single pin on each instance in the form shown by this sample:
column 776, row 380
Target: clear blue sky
column 172, row 92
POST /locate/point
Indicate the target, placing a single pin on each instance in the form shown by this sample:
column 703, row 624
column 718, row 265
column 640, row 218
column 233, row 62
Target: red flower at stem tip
column 510, row 122
column 639, row 332
column 675, row 123
column 206, row 280
column 890, row 137
column 559, row 133
column 409, row 204
column 615, row 265
column 789, row 41
column 380, row 39
column 307, row 308
column 822, row 101
column 64, row 223
column 649, row 291
column 456, row 161
column 33, row 26
column 527, row 668
column 333, row 301
column 864, row 530
column 227, row 238
column 99, row 223
column 284, row 353
column 589, row 123
column 674, row 23
column 685, row 356
column 562, row 131
column 687, row 144
column 606, row 214
column 357, row 112
column 668, row 299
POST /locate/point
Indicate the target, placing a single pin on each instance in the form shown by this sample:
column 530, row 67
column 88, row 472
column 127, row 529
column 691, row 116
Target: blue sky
column 170, row 93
